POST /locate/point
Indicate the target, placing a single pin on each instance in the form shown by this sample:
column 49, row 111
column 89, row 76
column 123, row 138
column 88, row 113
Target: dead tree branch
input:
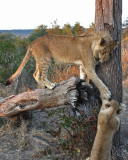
column 69, row 92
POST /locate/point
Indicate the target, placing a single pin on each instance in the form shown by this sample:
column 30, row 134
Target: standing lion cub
column 86, row 50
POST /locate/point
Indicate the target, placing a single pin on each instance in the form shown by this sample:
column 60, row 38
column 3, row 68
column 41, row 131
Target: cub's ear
column 101, row 41
column 107, row 105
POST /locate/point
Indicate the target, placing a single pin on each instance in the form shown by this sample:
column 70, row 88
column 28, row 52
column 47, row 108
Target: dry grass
column 60, row 72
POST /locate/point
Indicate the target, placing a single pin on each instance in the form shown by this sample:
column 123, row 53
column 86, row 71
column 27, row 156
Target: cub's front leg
column 104, row 91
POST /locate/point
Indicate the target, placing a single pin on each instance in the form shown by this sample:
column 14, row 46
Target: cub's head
column 110, row 115
column 102, row 46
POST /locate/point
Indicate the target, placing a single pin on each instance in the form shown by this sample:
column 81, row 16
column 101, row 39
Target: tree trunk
column 108, row 16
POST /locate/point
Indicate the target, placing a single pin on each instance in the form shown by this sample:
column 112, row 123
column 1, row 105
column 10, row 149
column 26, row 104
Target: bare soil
column 34, row 139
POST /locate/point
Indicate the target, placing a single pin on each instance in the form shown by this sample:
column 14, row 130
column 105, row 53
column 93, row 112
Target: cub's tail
column 19, row 70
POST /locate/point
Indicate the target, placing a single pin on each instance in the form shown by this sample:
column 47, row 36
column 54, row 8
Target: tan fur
column 108, row 123
column 86, row 50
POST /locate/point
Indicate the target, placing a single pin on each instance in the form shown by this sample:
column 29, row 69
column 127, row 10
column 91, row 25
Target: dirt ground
column 31, row 140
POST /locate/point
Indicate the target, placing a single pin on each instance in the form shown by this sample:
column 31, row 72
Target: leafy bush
column 12, row 51
column 40, row 31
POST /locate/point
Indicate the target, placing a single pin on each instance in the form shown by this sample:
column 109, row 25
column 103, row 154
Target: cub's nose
column 97, row 59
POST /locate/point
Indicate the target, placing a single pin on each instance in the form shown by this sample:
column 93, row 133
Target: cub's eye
column 118, row 111
column 104, row 53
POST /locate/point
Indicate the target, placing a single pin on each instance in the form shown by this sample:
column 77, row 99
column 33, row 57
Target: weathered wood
column 70, row 92
column 64, row 94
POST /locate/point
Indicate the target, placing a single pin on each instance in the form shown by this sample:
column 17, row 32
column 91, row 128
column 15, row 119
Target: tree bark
column 108, row 16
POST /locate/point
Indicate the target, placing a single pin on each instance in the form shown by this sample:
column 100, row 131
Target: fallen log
column 69, row 92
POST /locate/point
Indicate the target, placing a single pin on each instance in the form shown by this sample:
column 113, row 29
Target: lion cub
column 87, row 51
column 108, row 124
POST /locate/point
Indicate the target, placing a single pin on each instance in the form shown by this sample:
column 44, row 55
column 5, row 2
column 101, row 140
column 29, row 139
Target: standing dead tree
column 108, row 16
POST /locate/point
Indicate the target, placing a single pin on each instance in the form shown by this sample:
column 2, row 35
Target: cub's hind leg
column 37, row 76
column 41, row 73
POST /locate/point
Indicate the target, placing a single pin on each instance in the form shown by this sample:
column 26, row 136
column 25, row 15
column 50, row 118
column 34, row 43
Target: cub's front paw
column 51, row 85
column 106, row 94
